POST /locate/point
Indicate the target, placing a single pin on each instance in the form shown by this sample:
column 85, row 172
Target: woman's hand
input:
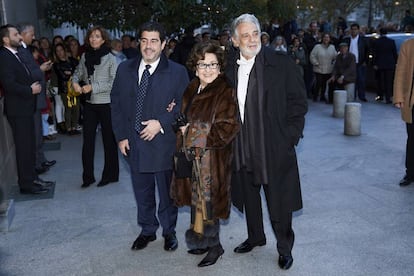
column 184, row 128
column 77, row 87
column 87, row 88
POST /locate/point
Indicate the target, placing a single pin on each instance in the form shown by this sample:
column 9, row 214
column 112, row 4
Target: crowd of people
column 222, row 94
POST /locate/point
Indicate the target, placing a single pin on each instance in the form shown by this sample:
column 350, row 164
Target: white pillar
column 340, row 97
column 352, row 122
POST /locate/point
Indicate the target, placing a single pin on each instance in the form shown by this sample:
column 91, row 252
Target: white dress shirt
column 353, row 47
column 245, row 67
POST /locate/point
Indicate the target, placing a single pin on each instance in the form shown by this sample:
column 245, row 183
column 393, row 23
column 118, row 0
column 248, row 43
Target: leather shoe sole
column 86, row 184
column 170, row 242
column 285, row 262
column 43, row 183
column 198, row 251
column 34, row 191
column 247, row 247
column 405, row 182
column 49, row 163
column 105, row 182
column 142, row 241
column 214, row 253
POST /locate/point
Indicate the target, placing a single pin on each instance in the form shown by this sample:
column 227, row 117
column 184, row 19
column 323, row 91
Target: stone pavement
column 356, row 219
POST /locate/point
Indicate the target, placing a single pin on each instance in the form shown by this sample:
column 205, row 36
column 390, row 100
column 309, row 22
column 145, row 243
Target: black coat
column 37, row 75
column 18, row 97
column 284, row 106
column 385, row 53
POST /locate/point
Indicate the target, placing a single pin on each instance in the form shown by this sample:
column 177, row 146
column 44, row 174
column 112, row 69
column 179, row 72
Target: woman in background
column 323, row 58
column 93, row 78
column 64, row 67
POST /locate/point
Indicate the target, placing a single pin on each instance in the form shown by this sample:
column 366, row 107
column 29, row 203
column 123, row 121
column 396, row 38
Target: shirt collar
column 154, row 65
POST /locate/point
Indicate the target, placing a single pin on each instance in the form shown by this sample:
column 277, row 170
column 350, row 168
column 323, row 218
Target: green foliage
column 174, row 14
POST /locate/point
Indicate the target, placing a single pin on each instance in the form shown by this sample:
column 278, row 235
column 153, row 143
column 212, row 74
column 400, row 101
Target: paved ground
column 356, row 219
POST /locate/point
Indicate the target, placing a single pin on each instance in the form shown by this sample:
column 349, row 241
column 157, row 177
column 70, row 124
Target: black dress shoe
column 43, row 183
column 41, row 170
column 49, row 163
column 285, row 262
column 142, row 241
column 405, row 181
column 198, row 251
column 364, row 100
column 246, row 246
column 34, row 190
column 105, row 182
column 170, row 242
column 379, row 98
column 86, row 184
column 213, row 254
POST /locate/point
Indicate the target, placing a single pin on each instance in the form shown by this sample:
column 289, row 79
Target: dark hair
column 55, row 57
column 199, row 51
column 55, row 38
column 153, row 27
column 355, row 25
column 33, row 49
column 5, row 32
column 104, row 34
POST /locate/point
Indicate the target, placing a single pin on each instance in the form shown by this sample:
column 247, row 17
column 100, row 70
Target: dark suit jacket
column 37, row 75
column 284, row 106
column 18, row 99
column 385, row 53
column 363, row 48
column 345, row 66
column 167, row 83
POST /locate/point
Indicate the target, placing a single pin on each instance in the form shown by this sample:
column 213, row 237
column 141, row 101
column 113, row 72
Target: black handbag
column 183, row 167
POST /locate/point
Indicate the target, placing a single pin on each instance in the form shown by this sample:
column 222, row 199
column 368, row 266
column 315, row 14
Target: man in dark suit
column 358, row 45
column 20, row 105
column 142, row 127
column 384, row 61
column 272, row 112
column 27, row 32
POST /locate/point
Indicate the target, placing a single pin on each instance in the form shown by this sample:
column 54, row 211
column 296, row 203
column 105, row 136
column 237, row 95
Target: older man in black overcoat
column 272, row 103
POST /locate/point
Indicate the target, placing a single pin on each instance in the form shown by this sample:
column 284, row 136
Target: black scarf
column 93, row 57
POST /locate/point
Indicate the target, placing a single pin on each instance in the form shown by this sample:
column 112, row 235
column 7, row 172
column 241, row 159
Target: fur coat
column 214, row 109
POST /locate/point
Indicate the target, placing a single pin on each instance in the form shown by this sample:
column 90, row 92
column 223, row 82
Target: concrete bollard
column 339, row 101
column 352, row 122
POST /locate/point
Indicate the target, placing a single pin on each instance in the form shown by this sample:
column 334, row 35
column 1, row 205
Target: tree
column 176, row 14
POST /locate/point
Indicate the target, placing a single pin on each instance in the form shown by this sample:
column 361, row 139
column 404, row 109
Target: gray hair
column 244, row 18
column 24, row 27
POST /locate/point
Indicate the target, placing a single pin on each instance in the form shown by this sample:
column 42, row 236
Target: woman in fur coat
column 210, row 107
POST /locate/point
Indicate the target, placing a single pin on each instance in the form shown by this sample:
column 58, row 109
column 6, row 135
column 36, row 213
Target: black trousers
column 385, row 81
column 24, row 141
column 320, row 86
column 282, row 228
column 94, row 114
column 409, row 153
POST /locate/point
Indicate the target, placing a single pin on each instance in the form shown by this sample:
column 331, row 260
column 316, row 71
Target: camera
column 180, row 120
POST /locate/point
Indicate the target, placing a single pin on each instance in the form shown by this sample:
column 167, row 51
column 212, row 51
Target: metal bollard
column 340, row 97
column 352, row 122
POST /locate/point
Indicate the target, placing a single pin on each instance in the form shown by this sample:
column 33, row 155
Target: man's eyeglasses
column 206, row 65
